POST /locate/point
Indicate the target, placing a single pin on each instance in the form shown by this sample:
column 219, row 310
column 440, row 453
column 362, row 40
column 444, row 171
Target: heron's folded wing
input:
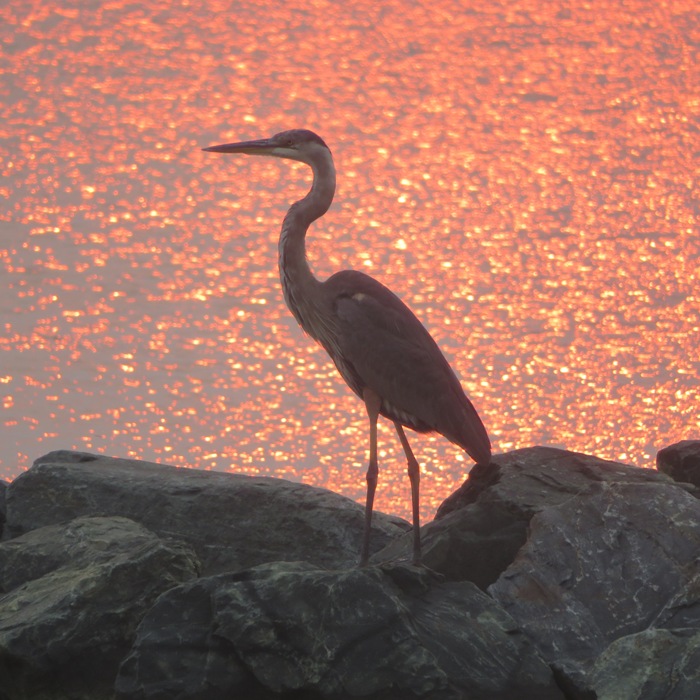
column 391, row 351
column 388, row 349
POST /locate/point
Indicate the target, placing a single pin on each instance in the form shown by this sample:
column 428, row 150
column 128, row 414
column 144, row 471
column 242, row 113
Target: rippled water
column 522, row 173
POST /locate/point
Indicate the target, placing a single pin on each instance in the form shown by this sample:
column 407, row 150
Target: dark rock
column 607, row 563
column 394, row 633
column 533, row 478
column 655, row 664
column 473, row 544
column 3, row 507
column 584, row 565
column 683, row 606
column 681, row 461
column 479, row 529
column 231, row 521
column 73, row 597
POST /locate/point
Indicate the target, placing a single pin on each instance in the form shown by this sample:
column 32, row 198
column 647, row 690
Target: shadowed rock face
column 72, row 596
column 185, row 584
column 3, row 489
column 232, row 521
column 681, row 461
column 654, row 663
column 479, row 529
column 601, row 566
column 395, row 632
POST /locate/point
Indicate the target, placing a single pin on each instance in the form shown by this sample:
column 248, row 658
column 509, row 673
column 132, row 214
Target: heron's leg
column 372, row 403
column 414, row 476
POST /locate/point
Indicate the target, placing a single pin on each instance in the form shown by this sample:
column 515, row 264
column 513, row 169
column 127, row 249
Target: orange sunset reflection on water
column 523, row 174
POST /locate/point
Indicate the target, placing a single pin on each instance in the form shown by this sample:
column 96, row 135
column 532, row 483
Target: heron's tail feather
column 470, row 434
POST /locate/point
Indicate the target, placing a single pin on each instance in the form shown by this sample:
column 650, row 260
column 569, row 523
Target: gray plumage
column 380, row 348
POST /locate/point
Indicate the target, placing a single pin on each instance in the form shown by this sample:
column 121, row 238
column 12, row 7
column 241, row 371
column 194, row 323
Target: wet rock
column 479, row 529
column 655, row 664
column 71, row 598
column 681, row 462
column 392, row 633
column 231, row 521
column 607, row 563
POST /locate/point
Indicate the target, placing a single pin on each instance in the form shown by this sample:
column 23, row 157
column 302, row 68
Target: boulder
column 479, row 529
column 393, row 633
column 681, row 462
column 3, row 507
column 554, row 569
column 232, row 521
column 607, row 563
column 655, row 664
column 72, row 597
column 533, row 478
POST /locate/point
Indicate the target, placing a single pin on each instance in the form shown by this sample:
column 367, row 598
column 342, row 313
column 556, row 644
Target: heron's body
column 380, row 348
column 366, row 317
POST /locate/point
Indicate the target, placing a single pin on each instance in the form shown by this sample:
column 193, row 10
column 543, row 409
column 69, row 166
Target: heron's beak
column 261, row 147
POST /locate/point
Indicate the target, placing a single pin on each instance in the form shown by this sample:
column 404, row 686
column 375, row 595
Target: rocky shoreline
column 548, row 575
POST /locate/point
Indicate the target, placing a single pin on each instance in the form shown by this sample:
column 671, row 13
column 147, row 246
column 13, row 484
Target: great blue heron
column 380, row 348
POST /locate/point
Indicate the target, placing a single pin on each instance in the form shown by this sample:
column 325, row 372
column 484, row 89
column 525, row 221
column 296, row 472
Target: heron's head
column 297, row 144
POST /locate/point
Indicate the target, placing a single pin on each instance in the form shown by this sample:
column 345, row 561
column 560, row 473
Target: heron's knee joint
column 413, row 469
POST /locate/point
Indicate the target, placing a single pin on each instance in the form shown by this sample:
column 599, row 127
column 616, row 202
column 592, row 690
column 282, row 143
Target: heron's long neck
column 298, row 282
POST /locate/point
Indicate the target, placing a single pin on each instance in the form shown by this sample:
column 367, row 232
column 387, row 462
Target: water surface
column 522, row 173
